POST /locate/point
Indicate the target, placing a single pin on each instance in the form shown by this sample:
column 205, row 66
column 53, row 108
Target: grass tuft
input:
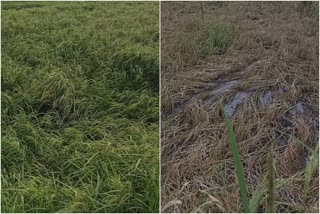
column 271, row 182
column 219, row 37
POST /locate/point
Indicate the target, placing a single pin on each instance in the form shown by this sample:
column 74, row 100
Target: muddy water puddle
column 239, row 98
column 212, row 95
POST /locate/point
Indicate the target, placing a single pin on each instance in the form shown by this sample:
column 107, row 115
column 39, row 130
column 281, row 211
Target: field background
column 80, row 107
column 259, row 62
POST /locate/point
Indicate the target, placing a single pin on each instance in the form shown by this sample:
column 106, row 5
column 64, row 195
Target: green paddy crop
column 252, row 205
column 80, row 107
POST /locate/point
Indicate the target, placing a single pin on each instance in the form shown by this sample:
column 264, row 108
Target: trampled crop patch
column 260, row 68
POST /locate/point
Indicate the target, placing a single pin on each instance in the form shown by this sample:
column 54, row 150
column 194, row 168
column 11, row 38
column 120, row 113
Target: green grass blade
column 311, row 166
column 255, row 201
column 271, row 184
column 238, row 164
column 312, row 151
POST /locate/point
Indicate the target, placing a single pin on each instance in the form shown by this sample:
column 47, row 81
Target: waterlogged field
column 79, row 107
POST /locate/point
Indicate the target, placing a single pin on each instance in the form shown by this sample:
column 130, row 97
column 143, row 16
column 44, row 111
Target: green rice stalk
column 239, row 167
column 271, row 183
column 312, row 151
column 255, row 201
column 310, row 168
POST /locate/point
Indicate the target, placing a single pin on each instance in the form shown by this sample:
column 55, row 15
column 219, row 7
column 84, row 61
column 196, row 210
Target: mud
column 221, row 90
column 239, row 98
column 298, row 109
column 212, row 95
column 268, row 97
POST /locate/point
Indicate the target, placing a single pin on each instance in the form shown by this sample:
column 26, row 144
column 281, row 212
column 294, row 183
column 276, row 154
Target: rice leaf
column 255, row 201
column 311, row 166
column 271, row 184
column 238, row 165
column 312, row 151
